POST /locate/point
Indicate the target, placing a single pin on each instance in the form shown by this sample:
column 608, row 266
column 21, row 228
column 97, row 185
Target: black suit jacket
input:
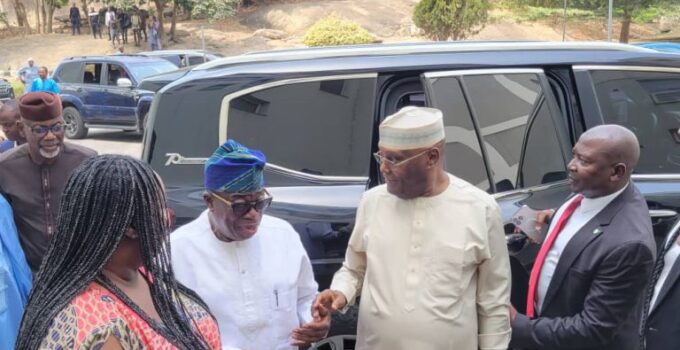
column 663, row 329
column 595, row 295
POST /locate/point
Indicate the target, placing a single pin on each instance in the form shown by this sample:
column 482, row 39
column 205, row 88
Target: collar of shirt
column 598, row 203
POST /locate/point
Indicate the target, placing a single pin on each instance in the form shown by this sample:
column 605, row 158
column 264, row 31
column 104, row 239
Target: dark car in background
column 102, row 91
column 6, row 90
column 183, row 58
column 513, row 112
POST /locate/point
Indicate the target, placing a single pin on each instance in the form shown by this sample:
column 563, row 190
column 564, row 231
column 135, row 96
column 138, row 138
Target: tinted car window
column 142, row 70
column 544, row 160
column 70, row 72
column 648, row 103
column 332, row 118
column 92, row 73
column 463, row 153
column 116, row 72
column 195, row 60
column 503, row 123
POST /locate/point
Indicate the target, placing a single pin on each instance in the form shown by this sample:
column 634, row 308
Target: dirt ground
column 388, row 20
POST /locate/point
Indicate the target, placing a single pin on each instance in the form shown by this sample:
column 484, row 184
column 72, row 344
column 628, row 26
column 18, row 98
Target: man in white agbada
column 250, row 268
column 428, row 252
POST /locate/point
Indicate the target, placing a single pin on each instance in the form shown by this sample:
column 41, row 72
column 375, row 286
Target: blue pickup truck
column 101, row 91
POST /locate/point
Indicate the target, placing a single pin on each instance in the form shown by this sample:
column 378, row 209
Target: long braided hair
column 104, row 197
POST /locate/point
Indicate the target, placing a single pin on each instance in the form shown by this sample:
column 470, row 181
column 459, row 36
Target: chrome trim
column 327, row 261
column 443, row 74
column 629, row 68
column 662, row 213
column 410, row 48
column 529, row 190
column 663, row 177
column 224, row 109
column 178, row 159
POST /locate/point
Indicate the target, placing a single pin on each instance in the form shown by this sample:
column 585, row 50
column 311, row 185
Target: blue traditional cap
column 233, row 168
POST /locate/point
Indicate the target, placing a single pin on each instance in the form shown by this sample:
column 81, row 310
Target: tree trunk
column 43, row 13
column 38, row 28
column 159, row 14
column 50, row 15
column 173, row 24
column 20, row 10
column 83, row 9
column 625, row 27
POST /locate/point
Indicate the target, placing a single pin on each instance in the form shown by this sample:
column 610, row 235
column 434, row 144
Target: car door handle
column 662, row 213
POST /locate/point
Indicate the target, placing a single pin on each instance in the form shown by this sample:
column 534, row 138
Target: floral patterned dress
column 98, row 313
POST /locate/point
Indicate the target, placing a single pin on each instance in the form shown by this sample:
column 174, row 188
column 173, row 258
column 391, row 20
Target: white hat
column 412, row 128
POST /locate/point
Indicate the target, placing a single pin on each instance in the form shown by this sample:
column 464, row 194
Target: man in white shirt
column 27, row 74
column 586, row 284
column 251, row 269
column 427, row 253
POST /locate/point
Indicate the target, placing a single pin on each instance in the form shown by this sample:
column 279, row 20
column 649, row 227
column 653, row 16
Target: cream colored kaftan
column 433, row 272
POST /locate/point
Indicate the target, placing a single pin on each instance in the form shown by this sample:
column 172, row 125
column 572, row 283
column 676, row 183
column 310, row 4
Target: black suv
column 512, row 112
column 101, row 91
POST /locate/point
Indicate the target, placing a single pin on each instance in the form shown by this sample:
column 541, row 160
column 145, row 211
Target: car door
column 647, row 101
column 505, row 134
column 121, row 102
column 91, row 92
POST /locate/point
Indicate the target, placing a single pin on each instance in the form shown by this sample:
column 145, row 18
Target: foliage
column 214, row 9
column 18, row 87
column 331, row 31
column 3, row 18
column 532, row 13
column 455, row 19
column 653, row 12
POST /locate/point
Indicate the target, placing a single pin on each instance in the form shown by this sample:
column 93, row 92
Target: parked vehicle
column 513, row 112
column 6, row 90
column 101, row 91
column 661, row 46
column 184, row 58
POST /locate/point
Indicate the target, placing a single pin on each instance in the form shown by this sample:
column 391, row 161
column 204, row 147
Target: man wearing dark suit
column 586, row 286
column 660, row 326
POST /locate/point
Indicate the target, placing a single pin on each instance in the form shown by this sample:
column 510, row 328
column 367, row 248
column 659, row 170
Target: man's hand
column 327, row 302
column 312, row 331
column 543, row 217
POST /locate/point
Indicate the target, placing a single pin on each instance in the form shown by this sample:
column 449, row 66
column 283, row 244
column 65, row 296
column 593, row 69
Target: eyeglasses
column 42, row 130
column 393, row 162
column 242, row 208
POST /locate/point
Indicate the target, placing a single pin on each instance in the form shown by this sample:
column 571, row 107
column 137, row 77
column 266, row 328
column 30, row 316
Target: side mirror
column 124, row 83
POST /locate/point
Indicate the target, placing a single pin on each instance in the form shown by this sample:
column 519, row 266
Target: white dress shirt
column 259, row 289
column 582, row 215
column 669, row 261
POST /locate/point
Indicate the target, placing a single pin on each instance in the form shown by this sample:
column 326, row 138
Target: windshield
column 145, row 69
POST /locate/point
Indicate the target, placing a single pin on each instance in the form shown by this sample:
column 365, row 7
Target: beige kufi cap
column 412, row 128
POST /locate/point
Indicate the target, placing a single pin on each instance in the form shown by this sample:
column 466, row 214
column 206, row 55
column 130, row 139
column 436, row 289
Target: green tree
column 629, row 8
column 455, row 19
column 214, row 9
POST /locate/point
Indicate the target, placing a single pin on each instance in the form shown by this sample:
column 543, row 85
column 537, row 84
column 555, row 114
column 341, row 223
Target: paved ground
column 113, row 141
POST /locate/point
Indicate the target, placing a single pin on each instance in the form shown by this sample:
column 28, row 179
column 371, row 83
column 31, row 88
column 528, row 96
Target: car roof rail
column 412, row 48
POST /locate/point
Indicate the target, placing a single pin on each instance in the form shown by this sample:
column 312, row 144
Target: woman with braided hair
column 107, row 282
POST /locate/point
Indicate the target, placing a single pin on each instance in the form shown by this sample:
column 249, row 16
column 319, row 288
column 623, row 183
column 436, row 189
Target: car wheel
column 75, row 127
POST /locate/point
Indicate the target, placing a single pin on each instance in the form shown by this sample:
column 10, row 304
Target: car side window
column 334, row 118
column 115, row 72
column 196, row 60
column 92, row 73
column 648, row 103
column 463, row 152
column 521, row 143
column 70, row 73
column 517, row 119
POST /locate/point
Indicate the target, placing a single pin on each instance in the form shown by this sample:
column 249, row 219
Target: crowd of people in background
column 118, row 23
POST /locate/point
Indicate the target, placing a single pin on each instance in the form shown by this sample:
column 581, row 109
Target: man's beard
column 50, row 155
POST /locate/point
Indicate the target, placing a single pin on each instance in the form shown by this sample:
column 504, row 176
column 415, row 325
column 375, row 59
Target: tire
column 75, row 127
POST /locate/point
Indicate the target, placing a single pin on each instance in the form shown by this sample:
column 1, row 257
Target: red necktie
column 543, row 252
